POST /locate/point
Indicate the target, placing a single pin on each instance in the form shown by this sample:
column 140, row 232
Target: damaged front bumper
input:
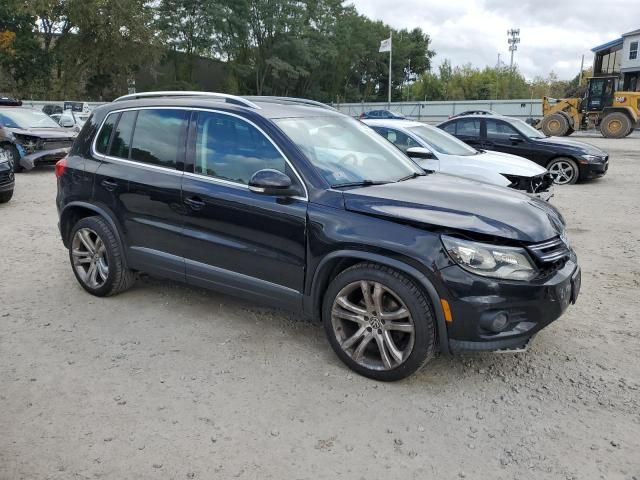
column 41, row 157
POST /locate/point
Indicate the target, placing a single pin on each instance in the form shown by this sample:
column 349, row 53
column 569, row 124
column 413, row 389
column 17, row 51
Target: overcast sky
column 553, row 33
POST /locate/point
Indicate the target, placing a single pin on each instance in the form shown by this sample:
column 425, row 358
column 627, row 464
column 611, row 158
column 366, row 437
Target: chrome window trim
column 199, row 176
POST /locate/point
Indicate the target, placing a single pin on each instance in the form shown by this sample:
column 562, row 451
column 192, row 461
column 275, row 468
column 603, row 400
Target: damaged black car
column 30, row 138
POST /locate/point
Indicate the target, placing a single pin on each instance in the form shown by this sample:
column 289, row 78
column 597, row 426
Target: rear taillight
column 60, row 167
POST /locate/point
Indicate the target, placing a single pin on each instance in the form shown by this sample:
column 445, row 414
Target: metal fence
column 38, row 104
column 429, row 112
column 435, row 112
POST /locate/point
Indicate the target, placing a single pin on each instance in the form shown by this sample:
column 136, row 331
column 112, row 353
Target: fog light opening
column 496, row 322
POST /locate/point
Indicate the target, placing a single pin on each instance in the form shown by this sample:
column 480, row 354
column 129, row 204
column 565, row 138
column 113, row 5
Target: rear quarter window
column 104, row 136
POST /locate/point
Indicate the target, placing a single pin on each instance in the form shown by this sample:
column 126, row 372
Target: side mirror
column 271, row 182
column 420, row 153
column 516, row 139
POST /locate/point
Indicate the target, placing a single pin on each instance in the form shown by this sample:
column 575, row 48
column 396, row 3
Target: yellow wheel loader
column 616, row 114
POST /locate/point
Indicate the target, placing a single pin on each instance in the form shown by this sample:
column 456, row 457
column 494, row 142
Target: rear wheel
column 616, row 125
column 379, row 323
column 97, row 258
column 556, row 125
column 564, row 171
column 6, row 196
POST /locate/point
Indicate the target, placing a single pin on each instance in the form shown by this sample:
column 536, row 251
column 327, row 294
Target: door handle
column 195, row 203
column 109, row 185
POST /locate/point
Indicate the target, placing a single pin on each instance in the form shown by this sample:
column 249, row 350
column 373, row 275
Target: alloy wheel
column 372, row 325
column 562, row 172
column 90, row 258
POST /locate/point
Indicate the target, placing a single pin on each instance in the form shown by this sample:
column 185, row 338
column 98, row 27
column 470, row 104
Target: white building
column 620, row 57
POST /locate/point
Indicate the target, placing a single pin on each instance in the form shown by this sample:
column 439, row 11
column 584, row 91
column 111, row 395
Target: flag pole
column 390, row 52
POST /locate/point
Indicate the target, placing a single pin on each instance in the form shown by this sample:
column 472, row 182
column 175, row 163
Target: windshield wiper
column 409, row 177
column 361, row 183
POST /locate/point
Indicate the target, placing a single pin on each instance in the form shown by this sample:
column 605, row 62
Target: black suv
column 307, row 209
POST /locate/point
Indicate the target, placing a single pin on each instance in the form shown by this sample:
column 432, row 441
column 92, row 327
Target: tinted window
column 102, row 143
column 500, row 130
column 122, row 138
column 157, row 137
column 231, row 149
column 450, row 128
column 469, row 127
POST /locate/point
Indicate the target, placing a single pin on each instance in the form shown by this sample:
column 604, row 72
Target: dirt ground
column 168, row 382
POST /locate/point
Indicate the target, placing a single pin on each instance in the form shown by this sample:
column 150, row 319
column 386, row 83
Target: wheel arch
column 337, row 261
column 75, row 211
column 628, row 111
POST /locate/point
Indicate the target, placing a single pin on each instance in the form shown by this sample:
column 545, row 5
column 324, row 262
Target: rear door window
column 468, row 127
column 159, row 137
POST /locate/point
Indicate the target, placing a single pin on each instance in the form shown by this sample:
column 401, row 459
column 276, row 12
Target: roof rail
column 223, row 96
column 301, row 101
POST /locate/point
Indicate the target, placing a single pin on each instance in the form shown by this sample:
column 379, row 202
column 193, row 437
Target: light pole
column 513, row 38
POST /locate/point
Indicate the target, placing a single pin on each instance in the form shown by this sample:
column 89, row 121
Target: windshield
column 442, row 142
column 345, row 151
column 25, row 119
column 527, row 130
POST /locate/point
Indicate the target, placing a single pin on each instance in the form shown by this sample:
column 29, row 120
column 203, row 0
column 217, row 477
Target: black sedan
column 567, row 160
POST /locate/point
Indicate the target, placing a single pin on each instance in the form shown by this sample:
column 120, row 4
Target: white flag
column 385, row 45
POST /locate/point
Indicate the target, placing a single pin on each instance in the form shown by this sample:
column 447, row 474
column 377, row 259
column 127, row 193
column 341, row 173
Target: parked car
column 474, row 112
column 30, row 137
column 52, row 109
column 7, row 182
column 568, row 160
column 436, row 150
column 381, row 114
column 308, row 209
column 73, row 120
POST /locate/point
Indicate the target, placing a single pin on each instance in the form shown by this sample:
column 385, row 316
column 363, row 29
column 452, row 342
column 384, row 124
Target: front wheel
column 616, row 125
column 379, row 323
column 97, row 258
column 564, row 171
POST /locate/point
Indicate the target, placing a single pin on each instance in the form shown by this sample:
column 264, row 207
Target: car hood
column 573, row 145
column 504, row 163
column 45, row 133
column 452, row 202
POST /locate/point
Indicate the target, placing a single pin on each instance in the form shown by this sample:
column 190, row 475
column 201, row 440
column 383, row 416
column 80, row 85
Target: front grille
column 550, row 252
column 55, row 144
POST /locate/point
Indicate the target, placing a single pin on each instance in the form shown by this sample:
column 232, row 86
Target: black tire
column 415, row 301
column 615, row 125
column 555, row 125
column 119, row 277
column 6, row 196
column 14, row 156
column 569, row 132
column 631, row 130
column 567, row 165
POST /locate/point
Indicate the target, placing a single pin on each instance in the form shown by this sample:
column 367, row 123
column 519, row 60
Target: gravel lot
column 170, row 382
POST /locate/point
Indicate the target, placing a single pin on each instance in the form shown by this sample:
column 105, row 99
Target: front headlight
column 592, row 158
column 508, row 263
